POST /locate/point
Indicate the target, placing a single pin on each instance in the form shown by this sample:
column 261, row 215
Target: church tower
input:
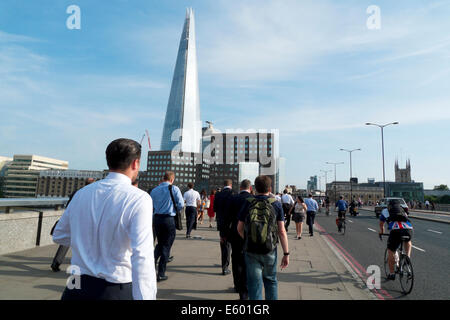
column 403, row 175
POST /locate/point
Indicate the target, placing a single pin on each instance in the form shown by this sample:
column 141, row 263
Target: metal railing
column 9, row 204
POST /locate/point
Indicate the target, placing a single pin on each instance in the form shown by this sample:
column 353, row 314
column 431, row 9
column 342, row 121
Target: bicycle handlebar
column 382, row 234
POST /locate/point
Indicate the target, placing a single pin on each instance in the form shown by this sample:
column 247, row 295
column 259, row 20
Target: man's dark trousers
column 191, row 216
column 225, row 249
column 286, row 208
column 310, row 216
column 165, row 233
column 238, row 265
column 92, row 288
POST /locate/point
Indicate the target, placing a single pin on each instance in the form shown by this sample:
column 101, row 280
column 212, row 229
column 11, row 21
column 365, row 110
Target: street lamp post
column 335, row 164
column 351, row 182
column 326, row 172
column 381, row 126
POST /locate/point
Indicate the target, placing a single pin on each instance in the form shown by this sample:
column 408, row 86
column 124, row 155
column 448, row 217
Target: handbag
column 178, row 222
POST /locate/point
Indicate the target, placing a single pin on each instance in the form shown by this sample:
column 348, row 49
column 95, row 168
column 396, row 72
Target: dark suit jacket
column 237, row 204
column 222, row 207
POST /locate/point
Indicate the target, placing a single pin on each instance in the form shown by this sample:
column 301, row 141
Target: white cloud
column 313, row 118
column 6, row 37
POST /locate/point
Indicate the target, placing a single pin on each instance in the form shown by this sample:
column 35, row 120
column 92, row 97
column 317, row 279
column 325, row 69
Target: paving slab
column 315, row 272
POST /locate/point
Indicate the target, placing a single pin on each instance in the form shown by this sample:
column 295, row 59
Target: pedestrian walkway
column 314, row 272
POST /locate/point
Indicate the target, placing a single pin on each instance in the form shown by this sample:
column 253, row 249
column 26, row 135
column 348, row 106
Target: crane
column 148, row 138
column 142, row 139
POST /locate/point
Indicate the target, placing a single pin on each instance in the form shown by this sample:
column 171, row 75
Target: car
column 383, row 204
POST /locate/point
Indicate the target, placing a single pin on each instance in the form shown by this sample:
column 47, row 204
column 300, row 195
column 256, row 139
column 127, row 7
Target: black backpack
column 397, row 213
column 261, row 226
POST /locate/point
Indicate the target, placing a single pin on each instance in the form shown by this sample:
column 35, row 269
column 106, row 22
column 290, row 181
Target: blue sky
column 311, row 69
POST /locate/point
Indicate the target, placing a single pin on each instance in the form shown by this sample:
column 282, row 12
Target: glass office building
column 182, row 125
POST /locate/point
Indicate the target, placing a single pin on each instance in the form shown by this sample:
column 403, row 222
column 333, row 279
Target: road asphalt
column 430, row 258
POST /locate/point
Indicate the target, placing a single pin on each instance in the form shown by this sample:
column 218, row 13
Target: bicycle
column 342, row 225
column 403, row 266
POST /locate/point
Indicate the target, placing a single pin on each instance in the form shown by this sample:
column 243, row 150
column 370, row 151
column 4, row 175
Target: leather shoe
column 243, row 296
column 170, row 259
column 55, row 268
column 161, row 278
column 226, row 272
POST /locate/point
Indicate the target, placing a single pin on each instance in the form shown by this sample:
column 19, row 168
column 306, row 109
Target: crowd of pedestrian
column 112, row 227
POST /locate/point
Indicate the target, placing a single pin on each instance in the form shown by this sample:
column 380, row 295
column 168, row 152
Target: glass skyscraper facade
column 182, row 125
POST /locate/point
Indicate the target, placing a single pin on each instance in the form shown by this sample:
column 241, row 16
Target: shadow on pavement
column 179, row 294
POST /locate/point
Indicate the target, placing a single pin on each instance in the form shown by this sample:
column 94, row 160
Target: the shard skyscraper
column 182, row 126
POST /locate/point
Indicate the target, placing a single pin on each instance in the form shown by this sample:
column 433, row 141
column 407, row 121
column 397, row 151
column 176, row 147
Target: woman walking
column 211, row 213
column 299, row 216
column 201, row 210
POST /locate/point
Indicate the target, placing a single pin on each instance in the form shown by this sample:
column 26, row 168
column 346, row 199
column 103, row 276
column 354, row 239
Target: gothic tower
column 403, row 175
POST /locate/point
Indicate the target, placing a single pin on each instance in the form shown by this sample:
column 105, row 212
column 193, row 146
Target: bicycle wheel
column 386, row 262
column 406, row 274
column 343, row 227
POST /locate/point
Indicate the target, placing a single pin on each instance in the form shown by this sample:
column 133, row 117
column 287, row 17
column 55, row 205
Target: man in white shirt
column 108, row 225
column 287, row 202
column 193, row 201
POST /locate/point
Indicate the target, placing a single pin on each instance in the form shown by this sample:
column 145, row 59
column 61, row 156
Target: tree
column 444, row 199
column 441, row 187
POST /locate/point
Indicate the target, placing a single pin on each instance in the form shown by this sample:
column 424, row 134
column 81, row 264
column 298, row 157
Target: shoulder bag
column 178, row 222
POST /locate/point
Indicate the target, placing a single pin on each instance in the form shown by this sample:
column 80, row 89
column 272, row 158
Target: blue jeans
column 262, row 268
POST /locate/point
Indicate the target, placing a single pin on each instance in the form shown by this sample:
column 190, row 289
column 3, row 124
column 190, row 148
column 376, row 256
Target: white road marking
column 350, row 221
column 418, row 248
column 434, row 231
column 371, row 230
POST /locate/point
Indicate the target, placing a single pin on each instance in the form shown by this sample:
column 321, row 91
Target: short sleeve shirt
column 191, row 198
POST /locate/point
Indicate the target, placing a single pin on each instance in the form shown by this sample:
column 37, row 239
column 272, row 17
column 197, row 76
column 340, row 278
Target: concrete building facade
column 22, row 174
column 62, row 183
column 368, row 193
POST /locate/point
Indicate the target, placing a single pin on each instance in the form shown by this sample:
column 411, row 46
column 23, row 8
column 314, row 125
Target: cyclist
column 342, row 206
column 398, row 225
column 327, row 204
column 352, row 208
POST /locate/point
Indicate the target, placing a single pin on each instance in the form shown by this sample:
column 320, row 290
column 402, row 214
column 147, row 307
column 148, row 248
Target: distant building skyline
column 260, row 65
column 22, row 174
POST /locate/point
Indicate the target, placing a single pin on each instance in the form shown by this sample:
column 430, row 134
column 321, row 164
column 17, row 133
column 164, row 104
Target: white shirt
column 278, row 197
column 191, row 196
column 108, row 224
column 286, row 198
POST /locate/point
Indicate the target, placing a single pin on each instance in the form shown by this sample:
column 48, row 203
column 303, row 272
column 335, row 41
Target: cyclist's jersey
column 395, row 225
column 342, row 205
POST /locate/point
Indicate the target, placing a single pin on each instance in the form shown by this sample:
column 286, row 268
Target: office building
column 186, row 166
column 367, row 192
column 311, row 184
column 226, row 152
column 22, row 174
column 182, row 125
column 62, row 183
column 3, row 162
column 205, row 156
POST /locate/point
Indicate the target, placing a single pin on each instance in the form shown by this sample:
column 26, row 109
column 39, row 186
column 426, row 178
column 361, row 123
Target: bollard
column 39, row 229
